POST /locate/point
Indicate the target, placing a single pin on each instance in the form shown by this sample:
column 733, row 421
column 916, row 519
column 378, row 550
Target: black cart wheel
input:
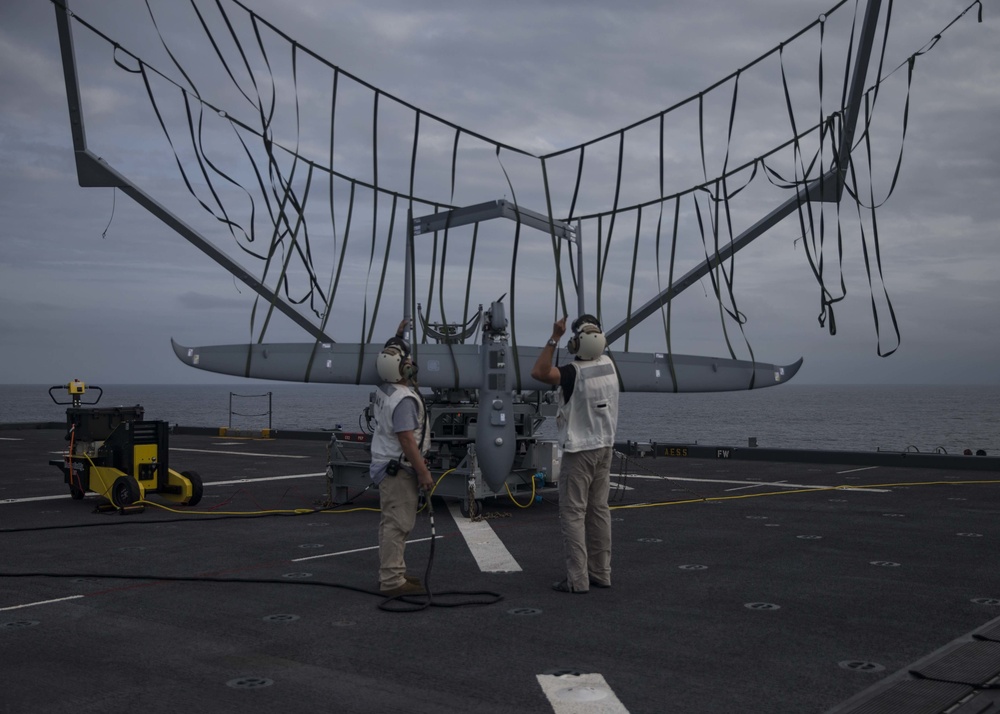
column 197, row 487
column 477, row 507
column 76, row 492
column 124, row 491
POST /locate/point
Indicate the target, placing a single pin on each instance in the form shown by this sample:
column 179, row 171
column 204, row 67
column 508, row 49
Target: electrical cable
column 245, row 581
column 202, row 516
column 410, row 603
column 416, row 603
column 216, row 515
column 514, row 500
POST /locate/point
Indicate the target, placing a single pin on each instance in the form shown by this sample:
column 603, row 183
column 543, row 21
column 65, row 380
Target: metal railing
column 250, row 396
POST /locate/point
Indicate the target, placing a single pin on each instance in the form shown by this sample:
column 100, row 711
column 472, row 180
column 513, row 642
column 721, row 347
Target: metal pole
column 858, row 77
column 94, row 172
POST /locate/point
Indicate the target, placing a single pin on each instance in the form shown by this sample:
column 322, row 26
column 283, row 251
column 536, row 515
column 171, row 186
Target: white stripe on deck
column 353, row 550
column 240, row 453
column 488, row 550
column 41, row 602
column 863, row 468
column 33, row 498
column 263, row 478
column 775, row 484
column 206, row 483
column 744, row 488
column 580, row 694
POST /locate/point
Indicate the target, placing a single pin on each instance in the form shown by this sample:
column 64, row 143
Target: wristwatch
column 552, row 343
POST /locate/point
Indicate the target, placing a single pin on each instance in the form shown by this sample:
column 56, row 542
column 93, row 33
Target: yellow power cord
column 530, row 501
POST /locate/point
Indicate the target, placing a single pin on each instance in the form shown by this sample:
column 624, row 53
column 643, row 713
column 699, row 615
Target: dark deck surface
column 772, row 599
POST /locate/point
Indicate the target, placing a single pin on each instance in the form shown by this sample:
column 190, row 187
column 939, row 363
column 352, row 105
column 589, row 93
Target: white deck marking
column 354, row 550
column 241, row 453
column 580, row 694
column 780, row 484
column 214, row 451
column 206, row 483
column 863, row 468
column 488, row 550
column 41, row 602
column 9, row 438
column 33, row 498
column 460, row 519
column 263, row 478
column 753, row 485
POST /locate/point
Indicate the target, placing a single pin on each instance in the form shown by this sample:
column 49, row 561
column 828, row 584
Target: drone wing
column 459, row 366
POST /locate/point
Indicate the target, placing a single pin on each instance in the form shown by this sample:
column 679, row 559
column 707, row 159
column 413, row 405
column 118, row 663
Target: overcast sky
column 79, row 302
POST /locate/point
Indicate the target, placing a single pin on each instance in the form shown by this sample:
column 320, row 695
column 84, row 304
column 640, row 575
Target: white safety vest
column 385, row 443
column 589, row 419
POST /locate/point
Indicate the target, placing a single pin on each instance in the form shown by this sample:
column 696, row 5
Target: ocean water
column 851, row 418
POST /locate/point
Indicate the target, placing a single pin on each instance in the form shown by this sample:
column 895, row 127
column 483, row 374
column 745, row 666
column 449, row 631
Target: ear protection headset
column 395, row 362
column 588, row 341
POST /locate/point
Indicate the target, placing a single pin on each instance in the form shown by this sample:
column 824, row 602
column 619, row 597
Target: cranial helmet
column 394, row 362
column 588, row 341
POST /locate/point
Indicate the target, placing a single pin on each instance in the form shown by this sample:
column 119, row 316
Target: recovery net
column 313, row 174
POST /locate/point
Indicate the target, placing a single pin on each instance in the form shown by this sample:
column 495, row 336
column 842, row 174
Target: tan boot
column 407, row 588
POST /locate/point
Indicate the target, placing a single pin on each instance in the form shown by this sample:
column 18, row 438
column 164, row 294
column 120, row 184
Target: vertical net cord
column 870, row 99
column 430, row 281
column 513, row 269
column 374, row 233
column 338, row 265
column 337, row 268
column 670, row 282
column 878, row 255
column 293, row 248
column 711, row 256
column 444, row 255
column 560, row 296
column 411, row 236
column 444, row 316
column 635, row 261
column 472, row 263
column 713, row 217
column 385, row 267
column 603, row 259
column 804, row 208
column 665, row 313
column 826, row 307
column 712, row 272
column 579, row 228
column 730, row 275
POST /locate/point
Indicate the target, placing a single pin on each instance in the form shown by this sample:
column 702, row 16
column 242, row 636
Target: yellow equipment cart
column 114, row 453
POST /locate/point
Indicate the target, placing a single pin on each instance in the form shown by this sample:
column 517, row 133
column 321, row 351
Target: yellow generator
column 114, row 453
